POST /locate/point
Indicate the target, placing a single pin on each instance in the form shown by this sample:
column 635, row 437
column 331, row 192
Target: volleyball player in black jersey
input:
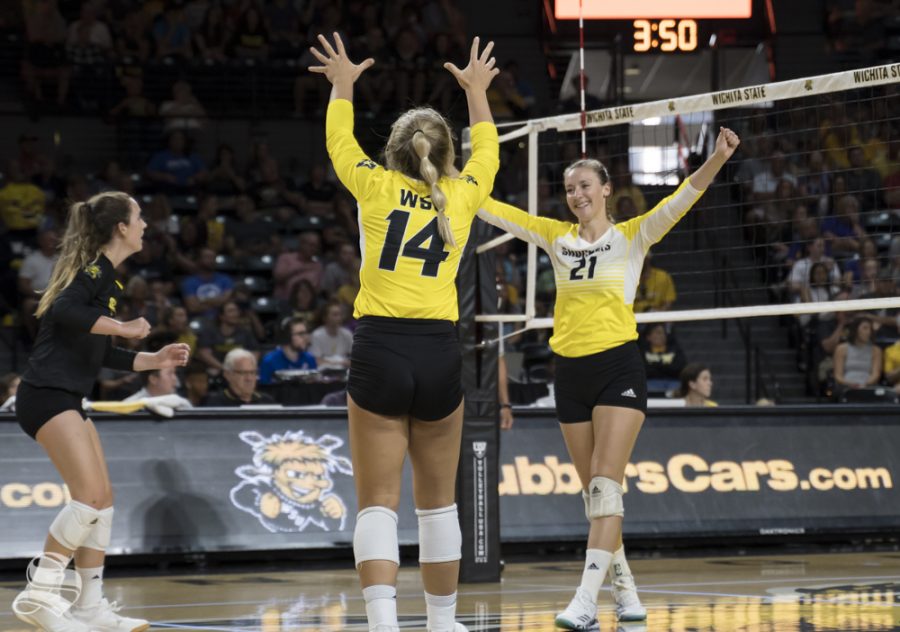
column 77, row 317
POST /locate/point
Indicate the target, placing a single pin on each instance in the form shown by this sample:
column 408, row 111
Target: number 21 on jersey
column 431, row 255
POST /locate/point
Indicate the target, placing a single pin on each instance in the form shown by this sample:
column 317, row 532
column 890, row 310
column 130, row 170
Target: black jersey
column 66, row 354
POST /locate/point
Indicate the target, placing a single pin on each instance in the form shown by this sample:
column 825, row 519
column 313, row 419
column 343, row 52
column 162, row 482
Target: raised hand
column 480, row 71
column 336, row 65
column 727, row 142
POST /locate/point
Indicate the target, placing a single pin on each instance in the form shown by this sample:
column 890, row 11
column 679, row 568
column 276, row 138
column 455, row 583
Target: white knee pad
column 604, row 498
column 73, row 524
column 587, row 504
column 98, row 538
column 375, row 536
column 440, row 539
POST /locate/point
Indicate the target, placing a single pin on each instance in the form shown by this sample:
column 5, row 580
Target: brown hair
column 690, row 373
column 602, row 174
column 421, row 146
column 90, row 227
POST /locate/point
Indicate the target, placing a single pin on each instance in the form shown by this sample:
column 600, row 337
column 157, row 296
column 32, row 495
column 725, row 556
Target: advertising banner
column 266, row 480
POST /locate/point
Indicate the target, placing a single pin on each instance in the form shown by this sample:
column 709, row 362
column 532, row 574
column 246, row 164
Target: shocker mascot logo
column 288, row 486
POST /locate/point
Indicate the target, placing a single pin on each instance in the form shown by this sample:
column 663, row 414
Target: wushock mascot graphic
column 288, row 486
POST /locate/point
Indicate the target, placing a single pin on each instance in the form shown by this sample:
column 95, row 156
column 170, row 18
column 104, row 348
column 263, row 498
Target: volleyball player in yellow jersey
column 404, row 389
column 600, row 381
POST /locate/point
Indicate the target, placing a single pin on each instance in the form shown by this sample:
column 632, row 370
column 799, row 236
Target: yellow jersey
column 407, row 271
column 596, row 282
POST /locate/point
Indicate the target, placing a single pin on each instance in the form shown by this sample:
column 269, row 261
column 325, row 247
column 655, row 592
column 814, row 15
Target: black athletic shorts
column 615, row 377
column 406, row 366
column 36, row 405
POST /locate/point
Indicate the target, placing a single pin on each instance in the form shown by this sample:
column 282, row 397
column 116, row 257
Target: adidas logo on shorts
column 629, row 393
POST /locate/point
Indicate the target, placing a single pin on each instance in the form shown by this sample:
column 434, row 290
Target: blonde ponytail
column 90, row 227
column 430, row 176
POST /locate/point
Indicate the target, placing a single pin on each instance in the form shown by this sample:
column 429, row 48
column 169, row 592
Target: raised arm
column 652, row 226
column 726, row 144
column 475, row 79
column 527, row 227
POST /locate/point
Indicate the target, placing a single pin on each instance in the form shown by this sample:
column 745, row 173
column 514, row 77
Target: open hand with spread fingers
column 336, row 64
column 727, row 142
column 480, row 71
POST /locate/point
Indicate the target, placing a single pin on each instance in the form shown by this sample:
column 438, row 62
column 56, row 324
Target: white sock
column 441, row 611
column 49, row 573
column 381, row 605
column 619, row 565
column 91, row 586
column 596, row 563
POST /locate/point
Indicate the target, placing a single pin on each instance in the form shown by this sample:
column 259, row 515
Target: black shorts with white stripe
column 615, row 377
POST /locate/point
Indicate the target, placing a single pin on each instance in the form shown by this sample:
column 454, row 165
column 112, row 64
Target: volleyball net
column 806, row 212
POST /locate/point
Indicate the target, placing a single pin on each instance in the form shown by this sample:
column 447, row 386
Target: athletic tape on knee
column 73, row 524
column 605, row 498
column 98, row 538
column 440, row 539
column 375, row 536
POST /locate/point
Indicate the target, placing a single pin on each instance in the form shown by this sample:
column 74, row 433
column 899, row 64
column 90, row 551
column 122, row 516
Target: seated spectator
column 211, row 39
column 331, row 343
column 868, row 249
column 319, row 194
column 625, row 209
column 863, row 181
column 250, row 39
column 663, row 358
column 375, row 91
column 283, row 25
column 214, row 342
column 505, row 100
column 175, row 321
column 88, row 40
column 774, row 171
column 223, row 179
column 842, row 231
column 34, row 275
column 857, row 362
column 45, row 51
column 303, row 303
column 248, row 235
column 885, row 320
column 140, row 303
column 249, row 319
column 196, row 384
column 865, row 286
column 623, row 186
column 571, row 97
column 271, row 192
column 342, row 271
column 132, row 39
column 183, row 111
column 892, row 365
column 409, row 73
column 656, row 289
column 292, row 267
column 9, row 384
column 208, row 223
column 291, row 354
column 696, row 385
column 21, row 204
column 240, row 373
column 157, row 383
column 208, row 290
column 800, row 271
column 171, row 34
column 31, row 162
column 815, row 184
column 175, row 169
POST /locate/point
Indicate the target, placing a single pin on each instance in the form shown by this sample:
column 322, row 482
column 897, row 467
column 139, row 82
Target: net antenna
column 741, row 99
column 581, row 79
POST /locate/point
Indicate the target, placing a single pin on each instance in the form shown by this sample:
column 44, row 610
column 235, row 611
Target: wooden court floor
column 817, row 593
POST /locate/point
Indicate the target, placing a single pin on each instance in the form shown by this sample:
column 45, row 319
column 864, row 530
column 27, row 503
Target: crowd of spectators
column 100, row 55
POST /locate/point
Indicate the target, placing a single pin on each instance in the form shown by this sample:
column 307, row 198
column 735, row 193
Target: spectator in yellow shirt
column 21, row 203
column 656, row 289
column 892, row 365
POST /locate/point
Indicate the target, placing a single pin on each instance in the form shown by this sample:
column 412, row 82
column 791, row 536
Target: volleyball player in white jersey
column 600, row 381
